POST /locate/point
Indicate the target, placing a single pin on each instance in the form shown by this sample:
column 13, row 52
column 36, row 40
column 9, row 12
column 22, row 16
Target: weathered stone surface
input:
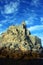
column 36, row 42
column 32, row 39
column 19, row 38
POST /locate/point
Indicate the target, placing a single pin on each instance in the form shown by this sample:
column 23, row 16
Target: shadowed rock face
column 18, row 39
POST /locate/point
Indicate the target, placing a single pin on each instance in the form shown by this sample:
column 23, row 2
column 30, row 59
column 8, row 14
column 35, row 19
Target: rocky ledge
column 17, row 42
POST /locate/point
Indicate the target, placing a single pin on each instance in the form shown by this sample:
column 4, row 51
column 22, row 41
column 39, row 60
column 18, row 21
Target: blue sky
column 13, row 12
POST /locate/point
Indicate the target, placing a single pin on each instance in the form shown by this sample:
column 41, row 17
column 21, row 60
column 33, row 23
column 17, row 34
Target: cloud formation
column 36, row 27
column 32, row 19
column 9, row 11
column 10, row 8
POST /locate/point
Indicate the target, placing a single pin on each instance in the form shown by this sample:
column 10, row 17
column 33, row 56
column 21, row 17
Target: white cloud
column 36, row 27
column 10, row 8
column 6, row 21
column 30, row 20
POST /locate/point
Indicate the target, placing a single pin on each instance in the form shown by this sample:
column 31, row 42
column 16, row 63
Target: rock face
column 19, row 38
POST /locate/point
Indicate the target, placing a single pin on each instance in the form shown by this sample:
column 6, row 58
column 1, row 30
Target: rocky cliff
column 18, row 38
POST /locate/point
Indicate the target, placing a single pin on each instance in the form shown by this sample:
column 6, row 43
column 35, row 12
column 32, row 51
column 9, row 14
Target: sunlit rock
column 19, row 38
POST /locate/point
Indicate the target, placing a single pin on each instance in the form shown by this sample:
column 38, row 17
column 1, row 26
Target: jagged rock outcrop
column 18, row 38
